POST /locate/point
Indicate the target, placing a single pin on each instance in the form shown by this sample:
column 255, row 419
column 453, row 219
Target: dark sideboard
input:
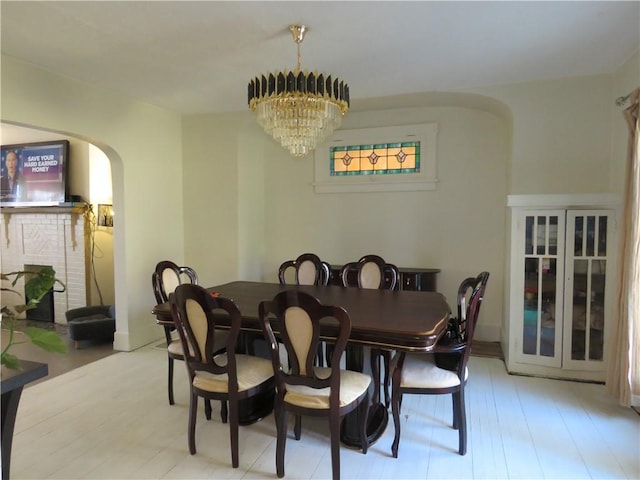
column 418, row 279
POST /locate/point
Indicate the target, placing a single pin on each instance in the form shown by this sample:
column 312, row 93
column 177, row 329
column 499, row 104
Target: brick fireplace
column 54, row 236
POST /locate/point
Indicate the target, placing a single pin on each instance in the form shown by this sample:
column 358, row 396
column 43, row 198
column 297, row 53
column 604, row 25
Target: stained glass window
column 400, row 158
column 377, row 159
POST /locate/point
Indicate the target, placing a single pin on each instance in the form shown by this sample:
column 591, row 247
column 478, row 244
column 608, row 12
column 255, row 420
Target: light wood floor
column 110, row 419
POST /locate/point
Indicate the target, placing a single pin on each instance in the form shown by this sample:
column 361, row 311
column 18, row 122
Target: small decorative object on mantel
column 36, row 286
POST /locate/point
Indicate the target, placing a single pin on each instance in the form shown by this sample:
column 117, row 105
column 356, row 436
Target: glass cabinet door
column 541, row 323
column 588, row 261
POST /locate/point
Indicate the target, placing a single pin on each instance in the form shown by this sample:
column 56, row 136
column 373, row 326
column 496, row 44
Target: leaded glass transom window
column 398, row 158
column 378, row 159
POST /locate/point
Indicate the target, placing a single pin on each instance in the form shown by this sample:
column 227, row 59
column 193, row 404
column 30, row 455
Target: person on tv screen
column 13, row 187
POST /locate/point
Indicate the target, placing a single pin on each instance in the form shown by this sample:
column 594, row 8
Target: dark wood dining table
column 397, row 320
column 11, row 386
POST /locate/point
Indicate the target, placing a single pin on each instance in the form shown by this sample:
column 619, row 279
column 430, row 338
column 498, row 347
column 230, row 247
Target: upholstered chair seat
column 251, row 371
column 421, row 371
column 175, row 348
column 352, row 386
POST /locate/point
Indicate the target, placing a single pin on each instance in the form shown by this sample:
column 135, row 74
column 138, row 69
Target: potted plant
column 37, row 285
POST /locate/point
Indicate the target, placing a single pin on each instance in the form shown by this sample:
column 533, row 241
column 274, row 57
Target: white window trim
column 575, row 200
column 426, row 179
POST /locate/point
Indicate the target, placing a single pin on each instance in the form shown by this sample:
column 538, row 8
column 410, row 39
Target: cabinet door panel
column 538, row 288
column 588, row 275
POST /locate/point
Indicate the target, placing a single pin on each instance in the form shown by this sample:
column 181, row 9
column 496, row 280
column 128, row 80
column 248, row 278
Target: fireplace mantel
column 70, row 207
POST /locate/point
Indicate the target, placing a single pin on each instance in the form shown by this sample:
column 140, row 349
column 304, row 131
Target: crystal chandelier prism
column 299, row 109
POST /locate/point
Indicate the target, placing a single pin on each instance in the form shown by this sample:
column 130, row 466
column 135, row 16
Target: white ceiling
column 197, row 57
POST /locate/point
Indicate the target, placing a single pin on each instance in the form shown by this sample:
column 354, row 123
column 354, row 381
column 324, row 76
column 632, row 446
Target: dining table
column 403, row 320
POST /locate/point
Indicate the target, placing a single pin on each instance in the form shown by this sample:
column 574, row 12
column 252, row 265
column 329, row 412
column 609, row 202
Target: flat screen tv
column 34, row 174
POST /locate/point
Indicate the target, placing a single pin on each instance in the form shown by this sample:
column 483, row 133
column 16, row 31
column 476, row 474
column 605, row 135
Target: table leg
column 10, row 402
column 378, row 416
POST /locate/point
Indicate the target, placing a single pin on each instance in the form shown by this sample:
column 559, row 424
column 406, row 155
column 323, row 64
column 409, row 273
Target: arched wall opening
column 89, row 181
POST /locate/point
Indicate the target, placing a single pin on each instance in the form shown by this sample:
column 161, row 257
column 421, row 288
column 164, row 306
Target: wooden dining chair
column 444, row 370
column 225, row 376
column 371, row 271
column 307, row 269
column 303, row 388
column 165, row 278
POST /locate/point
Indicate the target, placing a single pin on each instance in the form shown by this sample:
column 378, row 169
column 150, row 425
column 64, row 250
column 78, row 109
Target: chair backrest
column 194, row 311
column 453, row 350
column 308, row 269
column 470, row 295
column 167, row 276
column 371, row 272
column 296, row 317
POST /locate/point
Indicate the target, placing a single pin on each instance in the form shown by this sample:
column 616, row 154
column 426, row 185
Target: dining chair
column 444, row 369
column 166, row 277
column 371, row 271
column 307, row 269
column 225, row 376
column 303, row 388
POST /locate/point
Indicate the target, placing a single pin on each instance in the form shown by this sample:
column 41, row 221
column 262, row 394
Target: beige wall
column 561, row 132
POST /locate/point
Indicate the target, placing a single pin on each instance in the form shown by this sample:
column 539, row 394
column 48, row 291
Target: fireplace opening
column 44, row 311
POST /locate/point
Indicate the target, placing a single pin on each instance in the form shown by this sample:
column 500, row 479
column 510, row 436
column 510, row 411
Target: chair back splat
column 213, row 374
column 302, row 387
column 445, row 370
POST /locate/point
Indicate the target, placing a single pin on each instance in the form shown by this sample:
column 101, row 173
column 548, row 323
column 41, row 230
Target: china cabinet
column 561, row 290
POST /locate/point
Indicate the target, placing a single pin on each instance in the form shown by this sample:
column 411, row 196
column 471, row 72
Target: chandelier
column 299, row 109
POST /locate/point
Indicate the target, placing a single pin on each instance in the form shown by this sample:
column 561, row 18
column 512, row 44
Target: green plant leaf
column 10, row 361
column 39, row 284
column 47, row 340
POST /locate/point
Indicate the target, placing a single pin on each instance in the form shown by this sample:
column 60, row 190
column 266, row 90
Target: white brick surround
column 55, row 236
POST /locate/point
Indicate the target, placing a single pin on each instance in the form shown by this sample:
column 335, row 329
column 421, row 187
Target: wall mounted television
column 34, row 174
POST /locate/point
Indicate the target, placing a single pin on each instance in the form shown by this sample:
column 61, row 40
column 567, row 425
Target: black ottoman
column 96, row 323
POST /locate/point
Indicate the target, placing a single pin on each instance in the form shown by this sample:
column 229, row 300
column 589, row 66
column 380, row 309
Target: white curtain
column 623, row 373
